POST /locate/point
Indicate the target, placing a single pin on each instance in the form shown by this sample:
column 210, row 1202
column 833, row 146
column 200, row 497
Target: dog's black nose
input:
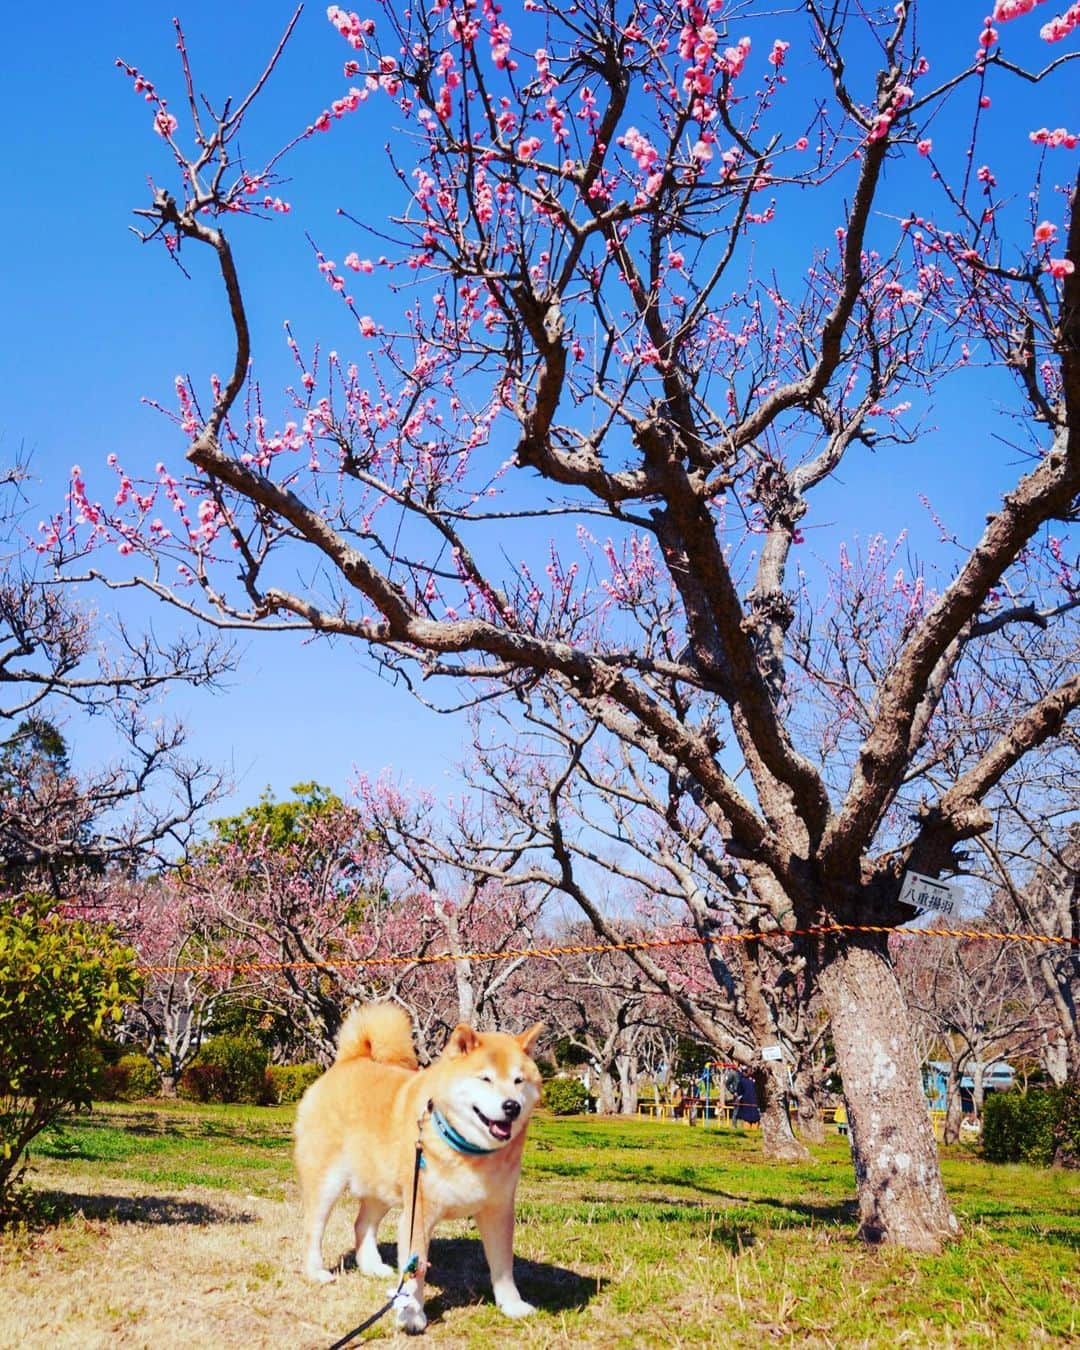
column 511, row 1109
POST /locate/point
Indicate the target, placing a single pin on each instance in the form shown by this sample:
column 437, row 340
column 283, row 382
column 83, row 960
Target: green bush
column 289, row 1082
column 1067, row 1126
column 1019, row 1127
column 227, row 1069
column 203, row 1083
column 565, row 1096
column 61, row 980
column 130, row 1079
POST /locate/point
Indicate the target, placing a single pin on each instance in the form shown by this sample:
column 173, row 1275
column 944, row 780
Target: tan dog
column 357, row 1126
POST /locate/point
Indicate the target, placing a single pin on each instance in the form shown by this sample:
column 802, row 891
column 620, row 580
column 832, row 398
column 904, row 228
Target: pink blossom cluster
column 884, row 120
column 1004, row 10
column 1058, row 28
column 987, row 38
column 647, row 158
column 779, row 50
column 351, row 27
column 698, row 45
column 499, row 36
column 1053, row 139
column 545, row 78
column 1062, row 26
column 634, row 574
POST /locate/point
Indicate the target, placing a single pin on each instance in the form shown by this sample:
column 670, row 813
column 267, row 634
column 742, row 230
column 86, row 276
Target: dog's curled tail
column 379, row 1031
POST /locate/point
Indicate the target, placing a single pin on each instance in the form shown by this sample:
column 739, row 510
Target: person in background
column 747, row 1113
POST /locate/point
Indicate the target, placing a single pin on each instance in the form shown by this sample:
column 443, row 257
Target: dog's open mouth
column 498, row 1129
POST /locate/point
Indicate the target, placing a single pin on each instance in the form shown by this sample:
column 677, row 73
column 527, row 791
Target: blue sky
column 95, row 321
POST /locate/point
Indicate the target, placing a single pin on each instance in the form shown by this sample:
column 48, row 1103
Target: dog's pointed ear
column 528, row 1039
column 462, row 1040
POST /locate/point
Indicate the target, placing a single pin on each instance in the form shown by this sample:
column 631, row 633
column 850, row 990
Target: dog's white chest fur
column 455, row 1190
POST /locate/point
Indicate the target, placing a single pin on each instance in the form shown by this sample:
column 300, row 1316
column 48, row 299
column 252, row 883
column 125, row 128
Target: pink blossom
column 1062, row 26
column 1004, row 10
column 367, row 325
column 639, row 146
column 1045, row 232
column 164, row 122
column 1053, row 139
column 801, row 143
column 1059, row 268
column 925, row 146
column 776, row 56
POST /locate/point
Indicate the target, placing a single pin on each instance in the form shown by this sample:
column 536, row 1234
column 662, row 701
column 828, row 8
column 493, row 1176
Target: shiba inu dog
column 357, row 1127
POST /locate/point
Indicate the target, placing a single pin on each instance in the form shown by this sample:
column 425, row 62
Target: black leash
column 413, row 1262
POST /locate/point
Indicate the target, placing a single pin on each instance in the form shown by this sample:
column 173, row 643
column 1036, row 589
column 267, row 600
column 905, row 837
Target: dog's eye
column 486, row 1078
column 518, row 1081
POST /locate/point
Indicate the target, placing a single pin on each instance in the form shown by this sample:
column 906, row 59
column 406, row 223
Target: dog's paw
column 378, row 1268
column 516, row 1307
column 409, row 1316
column 320, row 1276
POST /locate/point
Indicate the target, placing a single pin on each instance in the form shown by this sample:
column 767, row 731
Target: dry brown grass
column 199, row 1267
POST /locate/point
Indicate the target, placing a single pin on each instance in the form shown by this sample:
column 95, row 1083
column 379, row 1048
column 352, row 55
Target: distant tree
column 54, row 657
column 336, row 902
column 1044, row 898
column 975, row 1010
column 186, row 958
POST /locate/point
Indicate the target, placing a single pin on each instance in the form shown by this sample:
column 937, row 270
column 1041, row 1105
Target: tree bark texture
column 808, row 1122
column 901, row 1196
column 778, row 1142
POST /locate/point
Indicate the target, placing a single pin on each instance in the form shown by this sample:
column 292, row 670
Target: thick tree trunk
column 954, row 1106
column 778, row 1142
column 978, row 1091
column 606, row 1094
column 897, row 1171
column 808, row 1122
column 628, row 1084
column 1055, row 1060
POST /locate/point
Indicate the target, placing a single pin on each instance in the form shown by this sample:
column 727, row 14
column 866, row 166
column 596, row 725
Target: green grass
column 638, row 1233
column 232, row 1148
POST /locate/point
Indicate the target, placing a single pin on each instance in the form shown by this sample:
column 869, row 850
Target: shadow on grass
column 146, row 1209
column 458, row 1270
column 1064, row 1237
column 69, row 1139
column 835, row 1212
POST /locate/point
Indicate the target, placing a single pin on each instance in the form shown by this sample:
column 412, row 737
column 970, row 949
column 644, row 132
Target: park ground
column 177, row 1225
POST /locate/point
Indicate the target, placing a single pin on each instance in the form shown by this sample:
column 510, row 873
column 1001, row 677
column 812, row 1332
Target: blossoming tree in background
column 319, row 903
column 672, row 270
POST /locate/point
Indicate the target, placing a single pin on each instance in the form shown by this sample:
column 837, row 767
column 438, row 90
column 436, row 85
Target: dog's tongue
column 499, row 1128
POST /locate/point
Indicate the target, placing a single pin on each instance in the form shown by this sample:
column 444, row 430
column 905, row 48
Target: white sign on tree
column 930, row 895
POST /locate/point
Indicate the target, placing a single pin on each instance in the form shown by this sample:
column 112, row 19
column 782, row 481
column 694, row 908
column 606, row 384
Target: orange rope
column 644, row 944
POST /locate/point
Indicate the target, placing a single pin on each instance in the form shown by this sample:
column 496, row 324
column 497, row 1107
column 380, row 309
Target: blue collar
column 457, row 1141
